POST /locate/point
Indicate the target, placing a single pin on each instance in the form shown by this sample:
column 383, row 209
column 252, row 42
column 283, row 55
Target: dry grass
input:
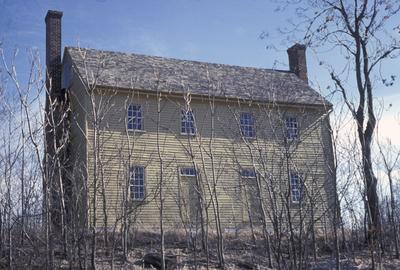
column 239, row 251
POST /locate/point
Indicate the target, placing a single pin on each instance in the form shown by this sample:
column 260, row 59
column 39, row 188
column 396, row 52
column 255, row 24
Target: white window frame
column 133, row 118
column 247, row 125
column 296, row 187
column 188, row 126
column 188, row 171
column 292, row 128
column 140, row 193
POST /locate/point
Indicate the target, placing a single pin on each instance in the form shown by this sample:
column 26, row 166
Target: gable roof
column 141, row 72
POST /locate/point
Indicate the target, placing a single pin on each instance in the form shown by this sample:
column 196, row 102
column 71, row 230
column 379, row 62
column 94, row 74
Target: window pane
column 247, row 125
column 292, row 128
column 137, row 182
column 247, row 173
column 296, row 187
column 188, row 123
column 188, row 171
column 135, row 117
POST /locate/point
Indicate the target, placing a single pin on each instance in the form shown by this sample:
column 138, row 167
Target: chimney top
column 296, row 47
column 297, row 61
column 53, row 14
column 53, row 51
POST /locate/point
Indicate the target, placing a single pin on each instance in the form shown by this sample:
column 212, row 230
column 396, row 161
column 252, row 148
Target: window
column 187, row 123
column 188, row 171
column 135, row 117
column 248, row 173
column 136, row 182
column 247, row 125
column 292, row 128
column 296, row 187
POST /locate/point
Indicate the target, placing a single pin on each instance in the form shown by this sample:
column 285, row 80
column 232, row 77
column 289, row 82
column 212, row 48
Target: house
column 209, row 141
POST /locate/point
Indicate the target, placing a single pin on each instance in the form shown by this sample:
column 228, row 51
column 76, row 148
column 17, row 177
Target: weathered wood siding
column 268, row 152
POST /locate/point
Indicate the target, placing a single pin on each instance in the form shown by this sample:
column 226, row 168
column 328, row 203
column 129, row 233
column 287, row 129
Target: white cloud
column 389, row 128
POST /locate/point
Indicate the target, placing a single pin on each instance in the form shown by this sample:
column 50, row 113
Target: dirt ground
column 243, row 261
column 238, row 255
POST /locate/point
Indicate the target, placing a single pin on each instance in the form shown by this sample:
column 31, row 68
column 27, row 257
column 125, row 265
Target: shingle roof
column 135, row 71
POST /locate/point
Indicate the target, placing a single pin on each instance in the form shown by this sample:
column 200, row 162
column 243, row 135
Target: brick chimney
column 54, row 116
column 53, row 52
column 297, row 61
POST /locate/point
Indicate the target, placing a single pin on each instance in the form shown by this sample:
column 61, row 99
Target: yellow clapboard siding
column 118, row 148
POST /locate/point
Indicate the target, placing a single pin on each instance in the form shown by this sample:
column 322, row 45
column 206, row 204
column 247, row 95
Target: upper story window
column 188, row 171
column 292, row 128
column 247, row 125
column 188, row 125
column 248, row 173
column 136, row 182
column 296, row 187
column 135, row 117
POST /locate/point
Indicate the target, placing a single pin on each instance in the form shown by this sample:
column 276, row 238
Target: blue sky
column 215, row 31
column 221, row 31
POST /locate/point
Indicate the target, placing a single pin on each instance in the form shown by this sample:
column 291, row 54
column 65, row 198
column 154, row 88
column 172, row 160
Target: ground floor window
column 296, row 187
column 136, row 183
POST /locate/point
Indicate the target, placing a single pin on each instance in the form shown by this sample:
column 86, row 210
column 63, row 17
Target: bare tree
column 390, row 157
column 360, row 29
column 33, row 155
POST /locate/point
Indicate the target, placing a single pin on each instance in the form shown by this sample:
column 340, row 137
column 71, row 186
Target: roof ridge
column 180, row 60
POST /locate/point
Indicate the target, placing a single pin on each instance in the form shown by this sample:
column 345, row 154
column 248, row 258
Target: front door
column 189, row 196
column 193, row 199
column 253, row 201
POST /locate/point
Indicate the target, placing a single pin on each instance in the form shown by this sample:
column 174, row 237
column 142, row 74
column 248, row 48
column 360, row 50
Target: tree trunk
column 392, row 217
